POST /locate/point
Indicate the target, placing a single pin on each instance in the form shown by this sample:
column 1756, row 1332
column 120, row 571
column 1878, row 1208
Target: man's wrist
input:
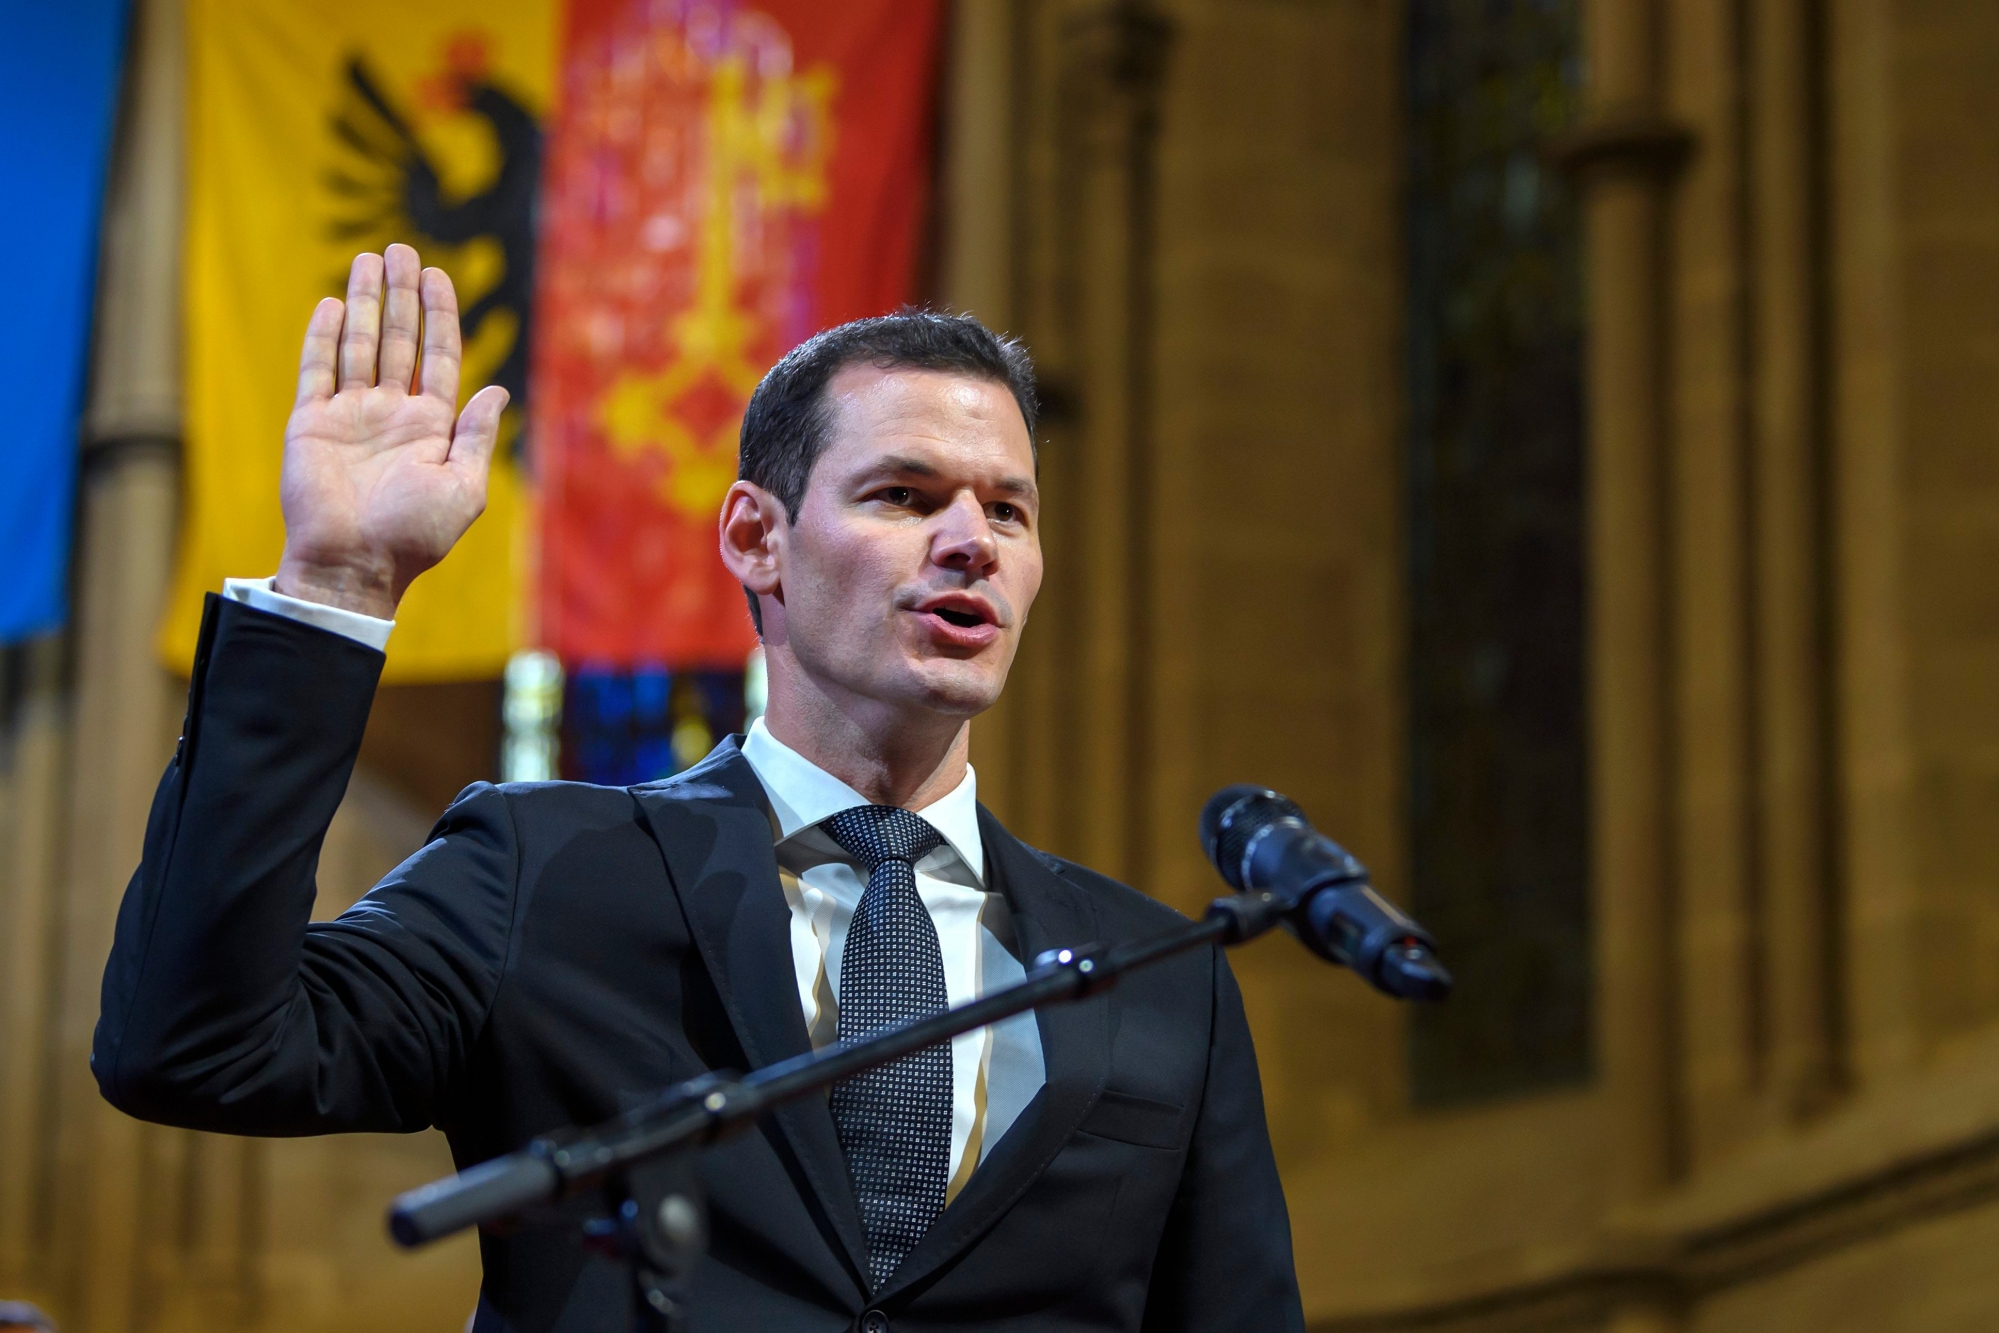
column 259, row 595
column 368, row 592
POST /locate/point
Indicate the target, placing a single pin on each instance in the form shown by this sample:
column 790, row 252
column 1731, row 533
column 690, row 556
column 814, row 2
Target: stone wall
column 1790, row 489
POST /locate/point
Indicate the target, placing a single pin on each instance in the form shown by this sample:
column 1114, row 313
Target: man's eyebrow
column 908, row 465
column 915, row 467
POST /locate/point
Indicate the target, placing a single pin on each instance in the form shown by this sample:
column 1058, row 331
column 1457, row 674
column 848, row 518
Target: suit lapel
column 714, row 829
column 1048, row 913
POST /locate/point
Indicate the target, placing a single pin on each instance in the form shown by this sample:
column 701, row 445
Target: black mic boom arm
column 638, row 1164
column 703, row 1110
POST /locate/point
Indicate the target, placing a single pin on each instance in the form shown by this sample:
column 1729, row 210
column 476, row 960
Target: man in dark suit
column 557, row 949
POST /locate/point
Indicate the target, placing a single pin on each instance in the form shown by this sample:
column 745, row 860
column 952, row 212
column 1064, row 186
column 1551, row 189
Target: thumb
column 477, row 432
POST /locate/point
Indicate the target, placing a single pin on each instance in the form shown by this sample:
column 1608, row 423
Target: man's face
column 908, row 574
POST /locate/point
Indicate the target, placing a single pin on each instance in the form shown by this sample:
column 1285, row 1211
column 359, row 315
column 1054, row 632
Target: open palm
column 381, row 477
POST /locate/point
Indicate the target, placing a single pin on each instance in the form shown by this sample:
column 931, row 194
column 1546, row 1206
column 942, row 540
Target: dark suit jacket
column 557, row 950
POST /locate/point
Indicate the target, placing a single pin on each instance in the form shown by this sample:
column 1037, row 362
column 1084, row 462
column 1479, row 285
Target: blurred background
column 1555, row 442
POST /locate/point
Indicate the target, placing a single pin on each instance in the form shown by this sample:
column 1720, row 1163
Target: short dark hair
column 788, row 422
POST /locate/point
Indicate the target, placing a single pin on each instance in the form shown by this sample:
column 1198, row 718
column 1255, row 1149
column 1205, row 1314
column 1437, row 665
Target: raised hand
column 380, row 481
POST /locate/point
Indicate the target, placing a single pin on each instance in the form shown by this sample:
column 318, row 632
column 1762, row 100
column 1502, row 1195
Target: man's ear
column 753, row 530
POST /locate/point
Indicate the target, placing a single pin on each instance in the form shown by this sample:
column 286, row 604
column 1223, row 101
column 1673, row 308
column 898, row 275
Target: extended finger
column 321, row 351
column 364, row 322
column 478, row 431
column 441, row 349
column 399, row 317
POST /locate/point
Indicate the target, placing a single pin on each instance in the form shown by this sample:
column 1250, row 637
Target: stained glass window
column 1498, row 773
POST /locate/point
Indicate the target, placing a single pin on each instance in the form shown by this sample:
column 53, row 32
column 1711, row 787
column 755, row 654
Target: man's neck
column 909, row 763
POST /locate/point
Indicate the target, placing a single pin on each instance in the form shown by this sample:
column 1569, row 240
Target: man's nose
column 964, row 539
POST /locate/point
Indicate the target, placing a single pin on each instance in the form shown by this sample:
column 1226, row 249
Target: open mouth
column 961, row 621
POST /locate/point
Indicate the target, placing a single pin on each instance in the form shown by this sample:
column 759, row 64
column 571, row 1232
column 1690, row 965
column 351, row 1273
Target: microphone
column 1260, row 842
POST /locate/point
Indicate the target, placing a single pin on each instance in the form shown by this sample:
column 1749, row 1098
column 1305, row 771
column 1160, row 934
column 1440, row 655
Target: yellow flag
column 316, row 129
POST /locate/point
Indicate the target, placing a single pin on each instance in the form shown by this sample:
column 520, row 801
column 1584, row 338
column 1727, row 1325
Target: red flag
column 723, row 180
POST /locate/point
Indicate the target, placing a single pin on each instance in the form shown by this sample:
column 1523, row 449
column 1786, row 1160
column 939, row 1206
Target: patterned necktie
column 894, row 1122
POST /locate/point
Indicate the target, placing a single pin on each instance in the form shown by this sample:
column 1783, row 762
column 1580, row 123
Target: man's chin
column 955, row 688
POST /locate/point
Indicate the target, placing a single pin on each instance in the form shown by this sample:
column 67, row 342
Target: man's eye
column 897, row 495
column 1005, row 513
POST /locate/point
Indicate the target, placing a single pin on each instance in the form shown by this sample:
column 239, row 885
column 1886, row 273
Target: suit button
column 874, row 1321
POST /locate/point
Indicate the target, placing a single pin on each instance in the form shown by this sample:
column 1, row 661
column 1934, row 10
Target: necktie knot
column 873, row 834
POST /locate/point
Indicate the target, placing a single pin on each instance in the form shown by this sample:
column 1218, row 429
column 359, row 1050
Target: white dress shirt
column 995, row 1071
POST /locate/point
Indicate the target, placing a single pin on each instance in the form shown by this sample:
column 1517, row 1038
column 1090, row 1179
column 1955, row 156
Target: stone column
column 977, row 190
column 1111, row 67
column 1624, row 155
column 1067, row 750
column 1709, row 534
column 1790, row 591
column 33, row 756
column 125, row 702
column 1877, row 943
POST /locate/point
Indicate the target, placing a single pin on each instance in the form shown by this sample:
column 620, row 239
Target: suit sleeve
column 1225, row 1259
column 224, row 1006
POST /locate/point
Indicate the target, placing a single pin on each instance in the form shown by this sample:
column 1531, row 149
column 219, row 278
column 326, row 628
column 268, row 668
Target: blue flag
column 58, row 92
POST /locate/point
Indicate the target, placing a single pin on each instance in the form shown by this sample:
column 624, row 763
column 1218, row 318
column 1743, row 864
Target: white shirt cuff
column 259, row 593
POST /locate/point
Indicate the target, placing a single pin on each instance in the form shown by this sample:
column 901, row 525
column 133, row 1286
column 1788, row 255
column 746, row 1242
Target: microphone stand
column 639, row 1163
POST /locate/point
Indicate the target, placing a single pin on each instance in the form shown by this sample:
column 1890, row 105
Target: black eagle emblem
column 391, row 190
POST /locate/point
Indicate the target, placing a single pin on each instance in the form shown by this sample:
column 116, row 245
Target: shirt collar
column 802, row 794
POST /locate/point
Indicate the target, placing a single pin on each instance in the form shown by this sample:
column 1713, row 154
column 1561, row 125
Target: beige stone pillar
column 1634, row 921
column 1712, row 574
column 1020, row 745
column 33, row 754
column 1745, row 895
column 977, row 182
column 977, row 189
column 125, row 702
column 1877, row 943
column 1072, row 739
column 1712, row 707
column 121, row 739
column 1111, row 65
column 1623, row 155
column 1789, row 423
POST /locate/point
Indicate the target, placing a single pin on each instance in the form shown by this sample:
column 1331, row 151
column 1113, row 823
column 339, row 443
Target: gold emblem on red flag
column 768, row 135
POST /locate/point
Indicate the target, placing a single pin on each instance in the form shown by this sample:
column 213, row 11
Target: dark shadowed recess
column 1498, row 796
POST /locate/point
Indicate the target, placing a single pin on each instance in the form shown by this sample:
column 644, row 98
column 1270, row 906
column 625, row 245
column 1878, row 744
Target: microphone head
column 1235, row 815
column 1409, row 971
